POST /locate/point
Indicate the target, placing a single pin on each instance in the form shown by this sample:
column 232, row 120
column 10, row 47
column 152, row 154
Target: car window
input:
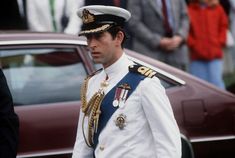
column 166, row 84
column 37, row 76
column 167, row 80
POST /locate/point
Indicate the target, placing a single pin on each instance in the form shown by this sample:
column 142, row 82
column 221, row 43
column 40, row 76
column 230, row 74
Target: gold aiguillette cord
column 92, row 110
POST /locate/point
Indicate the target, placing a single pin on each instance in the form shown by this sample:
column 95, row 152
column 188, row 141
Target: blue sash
column 107, row 108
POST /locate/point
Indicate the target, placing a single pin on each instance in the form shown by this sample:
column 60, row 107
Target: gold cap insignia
column 87, row 17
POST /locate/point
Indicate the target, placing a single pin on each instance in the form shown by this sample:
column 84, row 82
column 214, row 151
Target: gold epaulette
column 143, row 70
column 84, row 90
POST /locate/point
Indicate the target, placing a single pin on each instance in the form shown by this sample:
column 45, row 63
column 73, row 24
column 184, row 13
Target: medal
column 115, row 103
column 121, row 104
column 121, row 121
column 121, row 95
column 116, row 97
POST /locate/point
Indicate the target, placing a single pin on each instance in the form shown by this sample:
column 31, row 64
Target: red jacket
column 207, row 35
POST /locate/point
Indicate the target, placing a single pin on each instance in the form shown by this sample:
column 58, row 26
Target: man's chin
column 97, row 61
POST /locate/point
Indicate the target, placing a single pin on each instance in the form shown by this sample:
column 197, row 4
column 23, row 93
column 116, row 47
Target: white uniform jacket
column 151, row 130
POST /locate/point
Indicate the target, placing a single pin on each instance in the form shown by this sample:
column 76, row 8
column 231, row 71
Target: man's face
column 103, row 48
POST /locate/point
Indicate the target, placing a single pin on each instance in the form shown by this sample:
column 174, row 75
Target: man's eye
column 96, row 36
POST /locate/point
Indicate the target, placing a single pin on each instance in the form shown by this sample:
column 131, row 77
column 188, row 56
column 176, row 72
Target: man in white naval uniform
column 142, row 125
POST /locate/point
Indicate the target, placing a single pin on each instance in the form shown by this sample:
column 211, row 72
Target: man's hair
column 114, row 30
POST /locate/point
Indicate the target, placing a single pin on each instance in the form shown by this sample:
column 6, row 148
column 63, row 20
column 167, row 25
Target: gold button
column 101, row 147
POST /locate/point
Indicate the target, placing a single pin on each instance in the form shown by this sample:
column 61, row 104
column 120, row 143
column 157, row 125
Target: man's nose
column 92, row 43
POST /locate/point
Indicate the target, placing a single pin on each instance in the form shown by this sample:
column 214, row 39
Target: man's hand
column 170, row 44
column 165, row 44
column 177, row 40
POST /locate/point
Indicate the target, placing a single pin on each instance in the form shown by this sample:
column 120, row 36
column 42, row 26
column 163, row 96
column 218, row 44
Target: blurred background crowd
column 196, row 36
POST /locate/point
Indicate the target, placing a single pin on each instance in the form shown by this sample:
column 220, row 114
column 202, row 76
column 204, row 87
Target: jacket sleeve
column 232, row 4
column 81, row 150
column 190, row 40
column 137, row 26
column 38, row 19
column 74, row 23
column 9, row 123
column 161, row 119
column 223, row 27
column 184, row 21
column 191, row 36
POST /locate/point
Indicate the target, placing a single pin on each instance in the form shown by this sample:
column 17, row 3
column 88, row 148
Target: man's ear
column 119, row 37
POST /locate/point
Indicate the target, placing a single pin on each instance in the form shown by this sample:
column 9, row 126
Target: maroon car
column 45, row 72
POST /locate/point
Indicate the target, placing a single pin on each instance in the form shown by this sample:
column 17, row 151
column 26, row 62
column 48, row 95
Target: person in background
column 12, row 15
column 232, row 26
column 187, row 1
column 207, row 37
column 9, row 123
column 226, row 5
column 54, row 15
column 228, row 55
column 125, row 112
column 232, row 18
column 160, row 29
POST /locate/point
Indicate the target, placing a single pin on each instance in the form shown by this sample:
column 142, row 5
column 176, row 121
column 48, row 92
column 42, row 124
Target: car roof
column 14, row 38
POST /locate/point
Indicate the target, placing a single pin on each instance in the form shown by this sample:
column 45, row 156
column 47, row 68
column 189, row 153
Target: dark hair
column 114, row 30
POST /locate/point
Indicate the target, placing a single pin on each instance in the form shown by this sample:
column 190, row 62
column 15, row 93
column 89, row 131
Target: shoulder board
column 96, row 72
column 143, row 70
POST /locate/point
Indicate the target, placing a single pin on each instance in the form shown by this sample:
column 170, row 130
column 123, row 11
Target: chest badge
column 121, row 95
column 121, row 121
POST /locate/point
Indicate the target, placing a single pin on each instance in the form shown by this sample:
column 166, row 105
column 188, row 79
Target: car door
column 45, row 84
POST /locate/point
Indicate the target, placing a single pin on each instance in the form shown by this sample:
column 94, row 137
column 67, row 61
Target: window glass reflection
column 37, row 76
